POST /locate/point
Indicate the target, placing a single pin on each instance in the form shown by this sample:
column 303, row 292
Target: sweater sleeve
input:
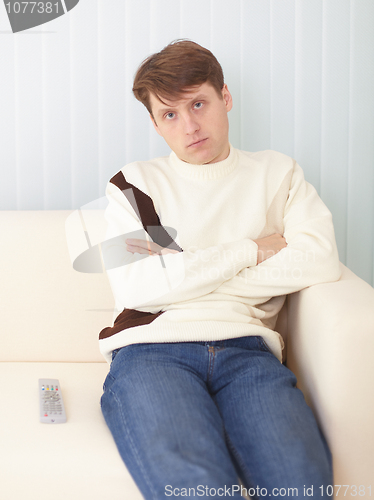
column 311, row 255
column 149, row 283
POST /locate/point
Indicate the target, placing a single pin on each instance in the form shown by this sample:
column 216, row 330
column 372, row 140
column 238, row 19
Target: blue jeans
column 189, row 418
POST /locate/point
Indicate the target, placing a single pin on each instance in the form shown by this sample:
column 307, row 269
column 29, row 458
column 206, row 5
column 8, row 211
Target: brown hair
column 176, row 69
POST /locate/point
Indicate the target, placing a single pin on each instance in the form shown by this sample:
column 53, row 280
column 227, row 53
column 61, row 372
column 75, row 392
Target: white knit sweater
column 213, row 288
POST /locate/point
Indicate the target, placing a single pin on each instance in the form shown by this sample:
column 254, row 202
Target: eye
column 198, row 105
column 169, row 116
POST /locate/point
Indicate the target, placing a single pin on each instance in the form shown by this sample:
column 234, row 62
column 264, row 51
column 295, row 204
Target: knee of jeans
column 108, row 382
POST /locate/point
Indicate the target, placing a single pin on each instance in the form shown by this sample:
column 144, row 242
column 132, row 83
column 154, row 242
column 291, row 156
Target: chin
column 195, row 160
column 201, row 161
column 203, row 158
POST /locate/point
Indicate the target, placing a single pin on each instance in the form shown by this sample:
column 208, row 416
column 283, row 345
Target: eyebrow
column 199, row 97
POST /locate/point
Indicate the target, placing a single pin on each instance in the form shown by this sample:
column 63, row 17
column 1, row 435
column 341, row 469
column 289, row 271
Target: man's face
column 195, row 127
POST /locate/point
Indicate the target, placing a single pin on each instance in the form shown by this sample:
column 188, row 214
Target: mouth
column 196, row 144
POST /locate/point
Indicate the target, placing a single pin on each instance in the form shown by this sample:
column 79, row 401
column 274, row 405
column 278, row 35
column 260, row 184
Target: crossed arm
column 303, row 255
column 267, row 247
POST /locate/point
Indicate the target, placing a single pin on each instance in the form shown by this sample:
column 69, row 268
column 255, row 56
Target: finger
column 137, row 243
column 141, row 250
column 149, row 246
column 165, row 251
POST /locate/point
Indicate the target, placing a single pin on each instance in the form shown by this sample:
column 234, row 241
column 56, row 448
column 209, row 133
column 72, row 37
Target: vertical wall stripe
column 361, row 185
column 196, row 21
column 56, row 92
column 271, row 75
column 256, row 76
column 335, row 113
column 29, row 116
column 8, row 104
column 283, row 75
column 84, row 99
column 228, row 20
column 136, row 31
column 308, row 77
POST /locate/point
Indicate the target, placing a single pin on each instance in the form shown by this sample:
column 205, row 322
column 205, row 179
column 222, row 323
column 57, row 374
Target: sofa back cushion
column 48, row 311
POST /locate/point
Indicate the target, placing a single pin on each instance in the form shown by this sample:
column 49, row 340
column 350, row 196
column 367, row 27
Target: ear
column 155, row 125
column 227, row 98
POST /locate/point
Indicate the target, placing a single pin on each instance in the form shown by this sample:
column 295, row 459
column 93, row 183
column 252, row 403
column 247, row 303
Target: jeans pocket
column 263, row 345
column 114, row 353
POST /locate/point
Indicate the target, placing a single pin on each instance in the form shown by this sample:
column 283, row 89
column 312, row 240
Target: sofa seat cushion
column 75, row 460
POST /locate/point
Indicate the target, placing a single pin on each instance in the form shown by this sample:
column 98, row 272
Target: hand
column 147, row 247
column 269, row 246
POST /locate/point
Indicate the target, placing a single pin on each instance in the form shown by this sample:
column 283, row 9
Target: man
column 206, row 244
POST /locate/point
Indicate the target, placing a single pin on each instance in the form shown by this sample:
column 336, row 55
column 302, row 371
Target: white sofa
column 51, row 316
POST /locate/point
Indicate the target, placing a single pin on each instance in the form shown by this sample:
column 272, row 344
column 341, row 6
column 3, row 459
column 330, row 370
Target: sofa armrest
column 330, row 348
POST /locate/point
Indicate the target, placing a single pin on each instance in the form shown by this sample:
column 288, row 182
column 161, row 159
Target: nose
column 191, row 125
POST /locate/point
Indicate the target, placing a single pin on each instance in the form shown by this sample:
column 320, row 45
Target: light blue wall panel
column 282, row 75
column 8, row 155
column 137, row 47
column 228, row 22
column 255, row 76
column 112, row 72
column 56, row 112
column 308, row 88
column 336, row 61
column 196, row 20
column 29, row 124
column 360, row 200
column 84, row 103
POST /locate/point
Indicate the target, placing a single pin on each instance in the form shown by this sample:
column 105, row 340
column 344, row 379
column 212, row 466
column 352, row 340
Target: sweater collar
column 205, row 172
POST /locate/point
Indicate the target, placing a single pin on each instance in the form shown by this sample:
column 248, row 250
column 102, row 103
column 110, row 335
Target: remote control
column 52, row 410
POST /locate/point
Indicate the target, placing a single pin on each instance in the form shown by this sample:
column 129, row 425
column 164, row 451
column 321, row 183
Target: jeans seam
column 211, row 357
column 242, row 465
column 133, row 447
